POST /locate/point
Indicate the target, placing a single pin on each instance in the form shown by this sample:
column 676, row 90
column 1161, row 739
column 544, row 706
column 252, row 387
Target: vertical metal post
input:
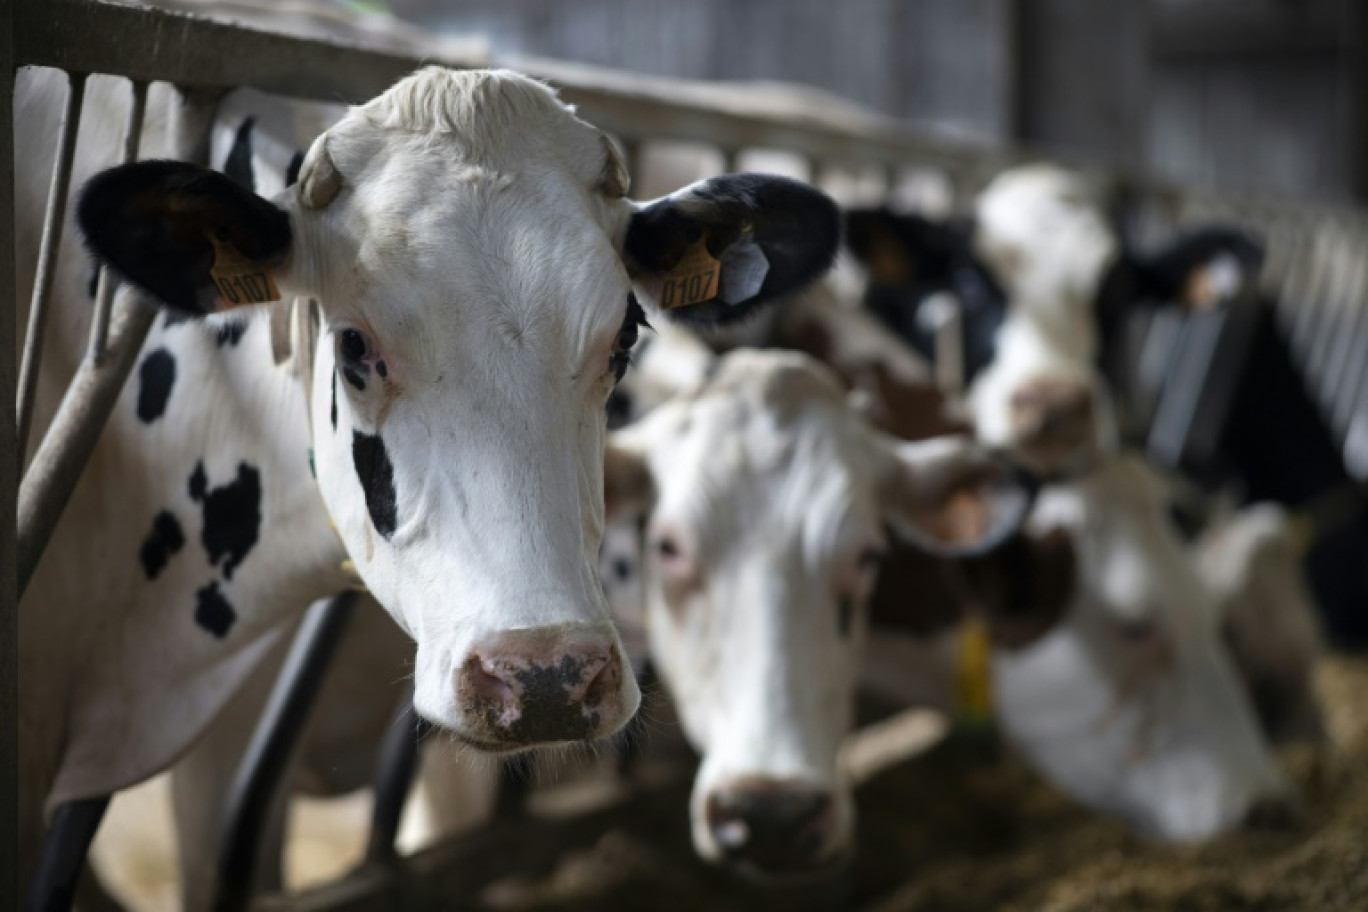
column 104, row 295
column 9, row 483
column 394, row 771
column 59, row 870
column 268, row 757
column 75, row 429
column 51, row 243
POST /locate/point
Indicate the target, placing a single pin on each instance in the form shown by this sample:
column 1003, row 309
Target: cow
column 455, row 262
column 1039, row 240
column 1099, row 573
column 763, row 502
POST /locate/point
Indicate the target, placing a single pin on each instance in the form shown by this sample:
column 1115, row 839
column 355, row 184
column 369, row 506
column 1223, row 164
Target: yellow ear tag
column 694, row 278
column 973, row 654
column 240, row 280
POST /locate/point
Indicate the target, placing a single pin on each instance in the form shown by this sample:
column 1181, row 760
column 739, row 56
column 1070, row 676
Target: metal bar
column 1344, row 323
column 395, row 769
column 104, row 295
column 53, row 220
column 156, row 44
column 61, row 457
column 63, row 856
column 1356, row 366
column 268, row 757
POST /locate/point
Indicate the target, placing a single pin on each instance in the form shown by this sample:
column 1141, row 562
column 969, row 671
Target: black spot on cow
column 292, row 172
column 381, row 369
column 93, row 285
column 155, row 378
column 622, row 568
column 333, row 412
column 213, row 612
column 376, row 473
column 232, row 516
column 355, row 375
column 165, row 539
column 238, row 164
column 199, row 483
column 229, row 333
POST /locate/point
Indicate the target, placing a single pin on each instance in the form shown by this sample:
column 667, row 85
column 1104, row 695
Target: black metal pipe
column 267, row 759
column 395, row 768
column 63, row 855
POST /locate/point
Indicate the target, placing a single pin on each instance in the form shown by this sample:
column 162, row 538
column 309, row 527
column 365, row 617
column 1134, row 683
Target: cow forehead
column 735, row 468
column 475, row 187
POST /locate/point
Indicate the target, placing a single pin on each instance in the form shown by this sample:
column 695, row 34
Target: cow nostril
column 485, row 682
column 603, row 683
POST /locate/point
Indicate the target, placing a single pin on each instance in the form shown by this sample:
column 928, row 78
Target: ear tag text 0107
column 239, row 279
column 694, row 278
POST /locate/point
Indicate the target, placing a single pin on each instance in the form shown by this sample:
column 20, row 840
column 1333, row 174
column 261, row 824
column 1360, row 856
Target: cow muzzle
column 1054, row 425
column 774, row 828
column 538, row 686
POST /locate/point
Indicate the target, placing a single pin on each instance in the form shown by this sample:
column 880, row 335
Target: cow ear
column 1023, row 588
column 711, row 253
column 953, row 497
column 899, row 249
column 1202, row 269
column 175, row 228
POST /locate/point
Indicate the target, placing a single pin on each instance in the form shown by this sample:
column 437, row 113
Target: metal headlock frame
column 1317, row 266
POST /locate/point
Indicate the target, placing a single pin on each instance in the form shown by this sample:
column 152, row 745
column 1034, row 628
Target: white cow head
column 1042, row 233
column 1131, row 704
column 473, row 253
column 766, row 499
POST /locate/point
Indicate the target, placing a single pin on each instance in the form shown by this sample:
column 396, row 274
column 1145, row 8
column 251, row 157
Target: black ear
column 1024, row 588
column 768, row 235
column 154, row 222
column 1200, row 268
column 903, row 249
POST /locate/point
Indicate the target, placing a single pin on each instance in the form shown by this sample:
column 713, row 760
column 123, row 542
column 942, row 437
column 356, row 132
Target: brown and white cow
column 764, row 502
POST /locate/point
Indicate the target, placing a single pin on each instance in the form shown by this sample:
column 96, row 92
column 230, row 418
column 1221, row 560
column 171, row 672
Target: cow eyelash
column 628, row 333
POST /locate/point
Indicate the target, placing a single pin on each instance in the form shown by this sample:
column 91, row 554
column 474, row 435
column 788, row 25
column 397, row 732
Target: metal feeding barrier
column 1317, row 270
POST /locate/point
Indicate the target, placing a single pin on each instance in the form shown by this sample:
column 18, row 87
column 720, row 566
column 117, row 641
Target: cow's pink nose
column 527, row 687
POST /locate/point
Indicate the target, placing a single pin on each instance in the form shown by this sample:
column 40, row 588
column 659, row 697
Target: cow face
column 1131, row 704
column 473, row 254
column 1037, row 399
column 765, row 501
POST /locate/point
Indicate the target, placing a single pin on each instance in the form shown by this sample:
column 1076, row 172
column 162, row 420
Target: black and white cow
column 471, row 253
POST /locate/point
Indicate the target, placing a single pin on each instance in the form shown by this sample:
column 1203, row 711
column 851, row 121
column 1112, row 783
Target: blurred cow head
column 766, row 500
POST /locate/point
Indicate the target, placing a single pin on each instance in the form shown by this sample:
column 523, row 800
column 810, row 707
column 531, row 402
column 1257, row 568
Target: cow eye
column 353, row 345
column 627, row 337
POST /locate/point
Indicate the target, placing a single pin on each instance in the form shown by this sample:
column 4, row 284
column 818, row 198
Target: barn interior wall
column 1236, row 93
